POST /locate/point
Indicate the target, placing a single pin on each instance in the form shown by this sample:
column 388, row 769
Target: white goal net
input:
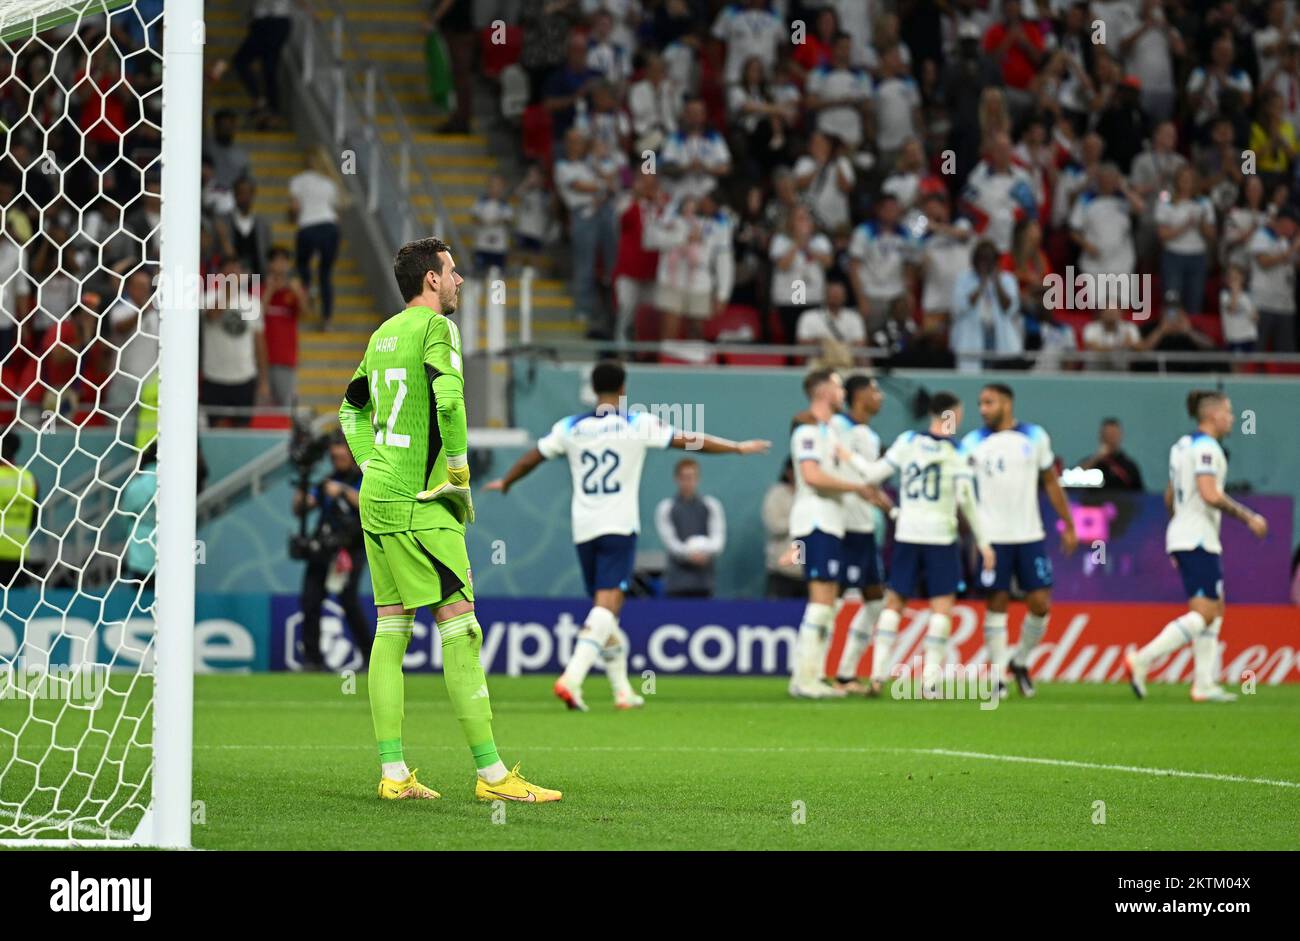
column 99, row 177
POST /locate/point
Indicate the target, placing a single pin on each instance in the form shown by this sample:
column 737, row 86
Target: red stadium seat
column 493, row 56
column 538, row 140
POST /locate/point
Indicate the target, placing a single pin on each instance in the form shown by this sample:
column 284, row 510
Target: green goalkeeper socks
column 462, row 670
column 387, row 689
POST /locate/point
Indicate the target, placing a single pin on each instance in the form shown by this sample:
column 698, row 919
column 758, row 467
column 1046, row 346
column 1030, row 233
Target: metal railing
column 701, row 352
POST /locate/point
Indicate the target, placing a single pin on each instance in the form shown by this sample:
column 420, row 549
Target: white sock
column 596, row 631
column 1179, row 631
column 882, row 653
column 936, row 646
column 615, row 659
column 493, row 774
column 814, row 637
column 396, row 770
column 995, row 640
column 1031, row 632
column 1205, row 652
column 855, row 644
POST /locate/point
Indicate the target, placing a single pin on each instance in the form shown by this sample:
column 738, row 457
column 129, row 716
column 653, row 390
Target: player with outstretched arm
column 1195, row 498
column 404, row 419
column 606, row 450
column 1011, row 459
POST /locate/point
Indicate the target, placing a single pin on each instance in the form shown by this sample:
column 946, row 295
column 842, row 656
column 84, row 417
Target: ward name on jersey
column 930, row 470
column 815, row 509
column 390, row 419
column 606, row 452
column 1195, row 524
column 859, row 514
column 1008, row 466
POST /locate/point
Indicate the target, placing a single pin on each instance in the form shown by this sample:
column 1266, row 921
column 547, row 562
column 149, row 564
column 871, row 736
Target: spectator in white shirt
column 604, row 55
column 945, row 257
column 833, row 322
column 881, row 254
column 695, row 157
column 696, row 269
column 593, row 230
column 985, row 310
column 800, row 257
column 1110, row 333
column 1271, row 42
column 655, row 104
column 749, row 29
column 840, row 95
column 1149, row 46
column 824, row 177
column 999, row 192
column 134, row 324
column 897, row 107
column 1153, row 173
column 235, row 364
column 1274, row 251
column 492, row 235
column 1237, row 311
column 314, row 204
column 1242, row 221
column 1102, row 225
column 1185, row 222
column 14, row 289
column 1284, row 78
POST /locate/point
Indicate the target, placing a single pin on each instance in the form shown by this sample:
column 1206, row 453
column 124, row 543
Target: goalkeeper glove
column 459, row 497
column 458, row 470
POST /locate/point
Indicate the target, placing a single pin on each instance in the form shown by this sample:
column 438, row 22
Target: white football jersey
column 813, row 508
column 1007, row 466
column 1195, row 524
column 606, row 452
column 859, row 514
column 929, row 469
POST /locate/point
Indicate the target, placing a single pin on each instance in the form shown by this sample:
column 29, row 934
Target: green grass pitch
column 287, row 762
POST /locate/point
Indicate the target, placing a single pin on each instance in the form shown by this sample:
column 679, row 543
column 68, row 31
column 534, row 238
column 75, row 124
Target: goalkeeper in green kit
column 404, row 419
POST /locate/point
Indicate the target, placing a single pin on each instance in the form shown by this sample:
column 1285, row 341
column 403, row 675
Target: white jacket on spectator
column 695, row 254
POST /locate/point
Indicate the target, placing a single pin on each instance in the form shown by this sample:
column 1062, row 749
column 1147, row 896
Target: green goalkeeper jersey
column 403, row 416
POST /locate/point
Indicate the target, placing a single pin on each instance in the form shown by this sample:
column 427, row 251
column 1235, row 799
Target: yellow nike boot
column 410, row 789
column 514, row 788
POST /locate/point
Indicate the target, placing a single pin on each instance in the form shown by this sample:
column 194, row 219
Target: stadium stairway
column 326, row 360
column 391, row 34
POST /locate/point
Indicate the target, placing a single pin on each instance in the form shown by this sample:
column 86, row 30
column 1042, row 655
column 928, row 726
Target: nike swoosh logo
column 530, row 799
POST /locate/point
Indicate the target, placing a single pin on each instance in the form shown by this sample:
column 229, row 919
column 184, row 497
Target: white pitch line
column 820, row 749
column 1092, row 766
column 47, row 824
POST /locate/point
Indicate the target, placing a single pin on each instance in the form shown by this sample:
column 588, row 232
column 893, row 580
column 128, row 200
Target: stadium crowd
column 81, row 213
column 909, row 175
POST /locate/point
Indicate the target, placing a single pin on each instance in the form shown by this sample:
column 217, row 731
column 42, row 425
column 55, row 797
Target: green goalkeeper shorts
column 425, row 568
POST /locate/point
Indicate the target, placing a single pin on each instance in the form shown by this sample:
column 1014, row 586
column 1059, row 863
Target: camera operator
column 334, row 553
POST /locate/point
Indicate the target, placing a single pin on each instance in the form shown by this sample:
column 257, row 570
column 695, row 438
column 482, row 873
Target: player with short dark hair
column 404, row 419
column 936, row 483
column 606, row 450
column 1011, row 460
column 1196, row 501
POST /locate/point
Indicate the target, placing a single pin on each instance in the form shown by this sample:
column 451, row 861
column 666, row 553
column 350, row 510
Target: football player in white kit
column 860, row 568
column 935, row 483
column 606, row 450
column 1195, row 497
column 1011, row 459
column 817, row 526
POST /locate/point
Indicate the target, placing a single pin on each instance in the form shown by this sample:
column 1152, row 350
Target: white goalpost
column 101, row 122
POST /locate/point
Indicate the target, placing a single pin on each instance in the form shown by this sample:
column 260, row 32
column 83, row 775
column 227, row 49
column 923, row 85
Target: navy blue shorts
column 607, row 561
column 822, row 554
column 1202, row 573
column 1027, row 561
column 937, row 568
column 861, row 564
column 528, row 243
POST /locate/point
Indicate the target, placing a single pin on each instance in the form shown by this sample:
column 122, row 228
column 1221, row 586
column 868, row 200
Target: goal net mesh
column 80, row 189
